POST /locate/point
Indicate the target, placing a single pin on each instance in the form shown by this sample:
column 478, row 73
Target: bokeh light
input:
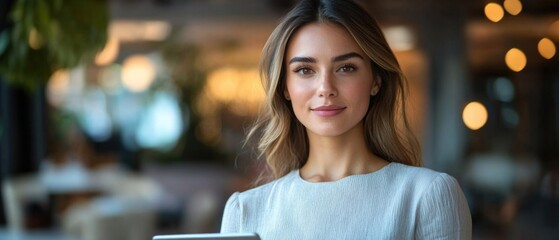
column 138, row 72
column 35, row 40
column 515, row 59
column 161, row 125
column 503, row 89
column 109, row 53
column 553, row 30
column 57, row 87
column 494, row 12
column 513, row 7
column 240, row 89
column 94, row 117
column 110, row 78
column 546, row 48
column 510, row 117
column 474, row 115
column 140, row 30
column 400, row 38
column 222, row 84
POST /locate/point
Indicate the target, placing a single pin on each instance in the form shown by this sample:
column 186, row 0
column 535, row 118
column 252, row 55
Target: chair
column 17, row 192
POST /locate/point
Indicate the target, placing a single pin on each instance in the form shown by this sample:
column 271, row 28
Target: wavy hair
column 282, row 139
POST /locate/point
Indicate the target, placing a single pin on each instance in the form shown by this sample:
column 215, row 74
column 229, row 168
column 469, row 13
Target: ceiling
column 247, row 23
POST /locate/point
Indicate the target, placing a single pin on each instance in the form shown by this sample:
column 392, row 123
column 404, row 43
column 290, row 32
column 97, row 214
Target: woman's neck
column 333, row 158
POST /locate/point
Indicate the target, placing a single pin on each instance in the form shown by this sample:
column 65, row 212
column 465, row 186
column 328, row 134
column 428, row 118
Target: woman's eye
column 303, row 71
column 346, row 68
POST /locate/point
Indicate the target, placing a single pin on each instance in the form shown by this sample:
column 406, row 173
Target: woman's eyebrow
column 302, row 59
column 346, row 57
column 335, row 59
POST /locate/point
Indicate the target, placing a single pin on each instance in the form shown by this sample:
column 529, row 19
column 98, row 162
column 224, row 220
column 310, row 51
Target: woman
column 335, row 135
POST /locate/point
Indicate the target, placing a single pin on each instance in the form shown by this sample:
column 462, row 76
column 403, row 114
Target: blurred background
column 120, row 119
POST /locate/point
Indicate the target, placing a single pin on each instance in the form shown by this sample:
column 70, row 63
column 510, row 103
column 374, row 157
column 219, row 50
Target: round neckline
column 344, row 179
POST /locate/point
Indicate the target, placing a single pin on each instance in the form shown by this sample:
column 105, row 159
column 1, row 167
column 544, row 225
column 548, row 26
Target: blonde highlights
column 282, row 139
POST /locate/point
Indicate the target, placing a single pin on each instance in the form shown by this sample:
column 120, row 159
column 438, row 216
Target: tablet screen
column 209, row 236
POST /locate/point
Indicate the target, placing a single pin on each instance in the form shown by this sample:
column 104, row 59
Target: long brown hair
column 282, row 139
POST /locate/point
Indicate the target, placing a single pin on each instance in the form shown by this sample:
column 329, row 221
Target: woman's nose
column 326, row 86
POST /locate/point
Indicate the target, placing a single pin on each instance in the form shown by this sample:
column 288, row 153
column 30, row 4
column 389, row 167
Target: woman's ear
column 377, row 83
column 286, row 95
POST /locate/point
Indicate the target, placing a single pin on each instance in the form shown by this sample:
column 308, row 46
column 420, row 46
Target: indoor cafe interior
column 124, row 119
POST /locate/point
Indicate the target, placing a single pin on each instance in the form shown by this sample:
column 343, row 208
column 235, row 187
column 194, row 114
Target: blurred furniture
column 126, row 211
column 106, row 204
column 18, row 192
column 109, row 218
column 34, row 235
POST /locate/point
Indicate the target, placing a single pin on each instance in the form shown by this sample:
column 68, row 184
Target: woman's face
column 329, row 79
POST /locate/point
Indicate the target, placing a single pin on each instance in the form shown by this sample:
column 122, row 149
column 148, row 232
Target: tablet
column 209, row 236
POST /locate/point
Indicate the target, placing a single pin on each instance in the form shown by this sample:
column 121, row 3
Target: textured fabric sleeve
column 231, row 221
column 443, row 211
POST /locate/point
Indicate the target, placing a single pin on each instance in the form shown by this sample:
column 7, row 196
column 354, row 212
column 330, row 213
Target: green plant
column 46, row 35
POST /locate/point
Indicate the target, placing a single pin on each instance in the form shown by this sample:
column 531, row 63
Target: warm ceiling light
column 474, row 115
column 132, row 30
column 513, row 7
column 109, row 53
column 138, row 73
column 400, row 38
column 515, row 59
column 546, row 48
column 494, row 12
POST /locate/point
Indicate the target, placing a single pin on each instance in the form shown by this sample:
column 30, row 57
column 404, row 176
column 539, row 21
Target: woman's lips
column 328, row 111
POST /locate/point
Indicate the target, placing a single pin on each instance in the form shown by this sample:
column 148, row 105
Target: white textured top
column 395, row 202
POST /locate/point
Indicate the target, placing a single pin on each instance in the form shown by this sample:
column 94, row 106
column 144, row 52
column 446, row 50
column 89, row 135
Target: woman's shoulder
column 414, row 171
column 267, row 189
column 254, row 199
column 421, row 177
